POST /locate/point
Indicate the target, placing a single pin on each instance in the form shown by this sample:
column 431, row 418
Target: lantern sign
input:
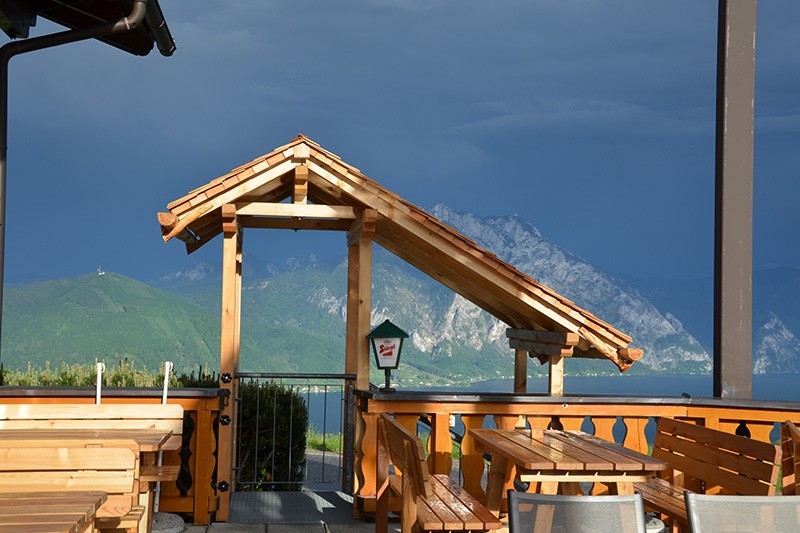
column 387, row 343
column 387, row 351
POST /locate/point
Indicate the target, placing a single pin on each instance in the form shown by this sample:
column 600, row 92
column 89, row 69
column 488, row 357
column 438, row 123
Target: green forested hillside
column 107, row 318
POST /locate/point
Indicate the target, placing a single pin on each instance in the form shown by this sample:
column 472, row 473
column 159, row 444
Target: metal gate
column 278, row 447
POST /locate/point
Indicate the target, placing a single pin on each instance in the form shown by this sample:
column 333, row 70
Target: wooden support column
column 520, row 371
column 229, row 354
column 300, row 192
column 359, row 297
column 359, row 306
column 555, row 385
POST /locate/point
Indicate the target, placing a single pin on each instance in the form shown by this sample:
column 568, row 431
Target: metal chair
column 542, row 513
column 714, row 513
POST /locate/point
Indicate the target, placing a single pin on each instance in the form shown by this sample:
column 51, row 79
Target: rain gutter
column 14, row 48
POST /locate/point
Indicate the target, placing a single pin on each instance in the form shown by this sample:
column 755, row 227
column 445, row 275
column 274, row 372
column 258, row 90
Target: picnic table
column 49, row 512
column 554, row 457
column 130, row 488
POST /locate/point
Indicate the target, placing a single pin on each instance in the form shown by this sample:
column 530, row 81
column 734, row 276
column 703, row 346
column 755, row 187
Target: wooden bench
column 429, row 502
column 709, row 461
column 167, row 417
column 790, row 447
column 30, row 465
column 68, row 511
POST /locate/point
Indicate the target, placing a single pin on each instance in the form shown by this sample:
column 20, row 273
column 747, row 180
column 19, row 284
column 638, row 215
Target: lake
column 775, row 387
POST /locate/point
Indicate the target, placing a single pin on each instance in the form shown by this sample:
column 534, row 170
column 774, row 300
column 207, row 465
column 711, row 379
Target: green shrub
column 273, row 424
column 122, row 374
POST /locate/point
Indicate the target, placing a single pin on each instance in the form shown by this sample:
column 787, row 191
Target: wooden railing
column 627, row 418
column 195, row 491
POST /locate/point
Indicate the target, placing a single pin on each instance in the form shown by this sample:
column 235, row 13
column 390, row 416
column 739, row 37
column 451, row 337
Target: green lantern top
column 387, row 330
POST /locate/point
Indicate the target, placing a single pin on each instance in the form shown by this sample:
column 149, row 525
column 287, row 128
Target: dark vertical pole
column 733, row 224
column 4, row 58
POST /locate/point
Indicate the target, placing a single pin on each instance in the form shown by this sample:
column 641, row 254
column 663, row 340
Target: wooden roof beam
column 295, row 223
column 202, row 204
column 544, row 346
column 168, row 222
column 264, row 209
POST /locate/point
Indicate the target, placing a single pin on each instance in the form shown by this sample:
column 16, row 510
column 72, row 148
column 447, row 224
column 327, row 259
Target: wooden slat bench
column 123, row 417
column 49, row 512
column 34, row 465
column 710, row 461
column 429, row 502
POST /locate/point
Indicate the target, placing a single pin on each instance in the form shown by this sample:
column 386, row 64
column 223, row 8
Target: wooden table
column 49, row 512
column 554, row 457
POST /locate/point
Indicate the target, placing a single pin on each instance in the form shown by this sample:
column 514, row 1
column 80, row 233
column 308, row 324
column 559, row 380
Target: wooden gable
column 302, row 186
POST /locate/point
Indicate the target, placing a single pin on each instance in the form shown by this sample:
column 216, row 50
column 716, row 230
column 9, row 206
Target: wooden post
column 359, row 303
column 440, row 444
column 300, row 192
column 520, row 371
column 556, row 382
column 229, row 353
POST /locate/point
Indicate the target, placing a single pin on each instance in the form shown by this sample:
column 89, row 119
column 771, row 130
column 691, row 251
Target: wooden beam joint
column 363, row 227
column 230, row 223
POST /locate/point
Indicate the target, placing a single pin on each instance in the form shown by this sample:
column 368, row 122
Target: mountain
column 776, row 313
column 293, row 315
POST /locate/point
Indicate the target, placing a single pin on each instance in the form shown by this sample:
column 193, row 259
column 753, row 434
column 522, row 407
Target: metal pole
column 733, row 224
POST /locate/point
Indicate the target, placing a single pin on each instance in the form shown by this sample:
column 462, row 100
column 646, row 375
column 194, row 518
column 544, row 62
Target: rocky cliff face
column 448, row 330
column 777, row 350
column 666, row 343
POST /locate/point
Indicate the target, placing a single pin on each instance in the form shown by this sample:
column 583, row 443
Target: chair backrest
column 406, row 453
column 737, row 465
column 96, row 416
column 712, row 513
column 541, row 513
column 31, row 465
column 790, row 446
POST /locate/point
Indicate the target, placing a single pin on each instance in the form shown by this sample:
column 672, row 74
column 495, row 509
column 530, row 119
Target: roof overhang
column 18, row 16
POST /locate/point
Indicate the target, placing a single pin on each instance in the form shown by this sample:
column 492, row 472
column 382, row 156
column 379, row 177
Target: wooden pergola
column 302, row 186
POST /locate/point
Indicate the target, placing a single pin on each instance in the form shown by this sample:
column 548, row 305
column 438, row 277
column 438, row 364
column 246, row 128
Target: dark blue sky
column 593, row 120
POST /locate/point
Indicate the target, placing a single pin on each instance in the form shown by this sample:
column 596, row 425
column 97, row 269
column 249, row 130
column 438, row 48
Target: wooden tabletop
column 49, row 512
column 149, row 440
column 571, row 451
column 555, row 458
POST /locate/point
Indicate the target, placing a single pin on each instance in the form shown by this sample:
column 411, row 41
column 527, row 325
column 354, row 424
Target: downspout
column 14, row 48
